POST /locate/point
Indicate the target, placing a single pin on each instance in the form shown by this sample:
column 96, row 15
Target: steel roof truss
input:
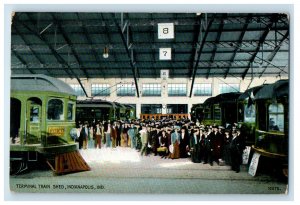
column 199, row 53
column 261, row 41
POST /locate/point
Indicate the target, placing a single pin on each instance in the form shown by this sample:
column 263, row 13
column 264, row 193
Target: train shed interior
column 150, row 59
column 170, row 72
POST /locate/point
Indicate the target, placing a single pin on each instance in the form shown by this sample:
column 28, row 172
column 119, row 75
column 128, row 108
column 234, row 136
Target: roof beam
column 57, row 56
column 188, row 30
column 195, row 44
column 239, row 43
column 151, row 46
column 221, row 26
column 131, row 48
column 35, row 33
column 273, row 54
column 160, row 65
column 176, row 67
column 67, row 39
column 133, row 68
column 147, row 75
column 94, row 52
column 22, row 60
column 141, row 22
column 109, row 41
column 26, row 42
column 261, row 41
column 41, row 61
column 199, row 53
column 153, row 53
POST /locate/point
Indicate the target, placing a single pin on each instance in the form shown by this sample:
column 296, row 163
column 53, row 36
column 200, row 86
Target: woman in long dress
column 91, row 140
column 164, row 145
column 175, row 139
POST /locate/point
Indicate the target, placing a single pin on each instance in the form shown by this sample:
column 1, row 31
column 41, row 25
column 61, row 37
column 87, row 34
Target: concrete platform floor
column 124, row 170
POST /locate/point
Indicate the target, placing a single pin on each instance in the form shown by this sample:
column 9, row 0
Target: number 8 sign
column 165, row 30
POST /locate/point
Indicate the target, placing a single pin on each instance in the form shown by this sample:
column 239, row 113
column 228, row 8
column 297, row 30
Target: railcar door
column 34, row 121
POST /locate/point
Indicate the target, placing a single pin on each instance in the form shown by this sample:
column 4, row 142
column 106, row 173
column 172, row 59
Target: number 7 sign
column 165, row 54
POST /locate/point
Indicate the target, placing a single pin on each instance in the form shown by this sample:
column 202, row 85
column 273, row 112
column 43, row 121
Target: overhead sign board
column 165, row 30
column 165, row 54
column 164, row 74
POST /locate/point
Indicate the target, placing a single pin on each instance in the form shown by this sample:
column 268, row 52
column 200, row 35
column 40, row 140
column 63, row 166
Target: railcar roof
column 95, row 103
column 276, row 90
column 248, row 92
column 224, row 97
column 39, row 82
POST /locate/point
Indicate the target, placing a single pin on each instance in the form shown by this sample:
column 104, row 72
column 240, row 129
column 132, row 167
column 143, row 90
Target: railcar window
column 249, row 113
column 34, row 115
column 276, row 117
column 70, row 111
column 207, row 113
column 55, row 110
column 217, row 112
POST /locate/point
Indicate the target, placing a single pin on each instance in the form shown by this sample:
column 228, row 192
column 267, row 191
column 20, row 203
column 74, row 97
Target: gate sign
column 164, row 74
column 165, row 30
column 254, row 164
column 165, row 53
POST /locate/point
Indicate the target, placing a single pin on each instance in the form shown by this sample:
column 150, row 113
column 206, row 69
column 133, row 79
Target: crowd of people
column 169, row 139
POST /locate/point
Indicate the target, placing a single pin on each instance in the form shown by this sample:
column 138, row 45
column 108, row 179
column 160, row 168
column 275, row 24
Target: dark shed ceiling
column 223, row 45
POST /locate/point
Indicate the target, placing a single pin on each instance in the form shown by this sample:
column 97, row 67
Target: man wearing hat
column 217, row 144
column 201, row 142
column 236, row 151
column 226, row 147
column 208, row 147
column 144, row 140
column 195, row 145
column 138, row 137
column 98, row 135
column 184, row 142
column 155, row 139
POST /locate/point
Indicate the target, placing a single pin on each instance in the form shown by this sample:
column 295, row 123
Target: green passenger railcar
column 197, row 112
column 247, row 113
column 99, row 110
column 221, row 109
column 42, row 116
column 272, row 105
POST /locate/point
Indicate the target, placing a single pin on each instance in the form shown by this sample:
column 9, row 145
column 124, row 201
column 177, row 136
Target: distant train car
column 42, row 119
column 272, row 105
column 221, row 109
column 120, row 111
column 93, row 110
column 197, row 112
column 130, row 111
